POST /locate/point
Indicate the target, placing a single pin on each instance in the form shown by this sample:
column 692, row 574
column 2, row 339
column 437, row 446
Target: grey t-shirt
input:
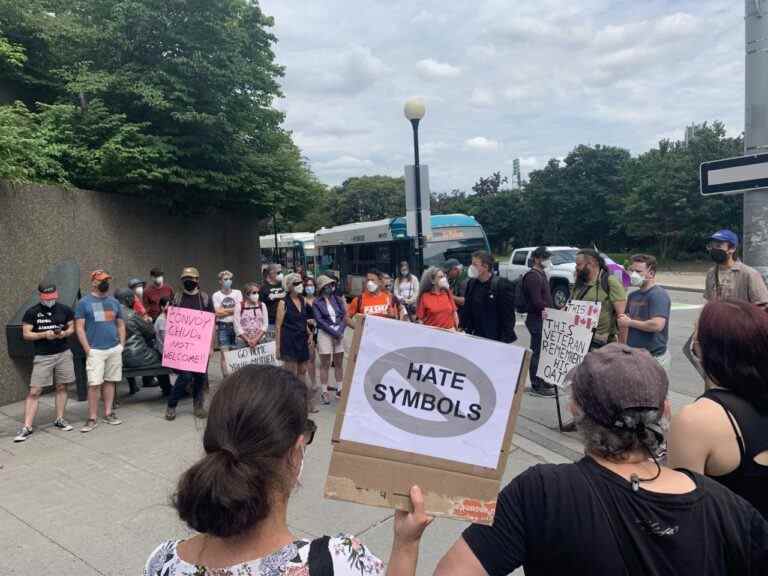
column 644, row 305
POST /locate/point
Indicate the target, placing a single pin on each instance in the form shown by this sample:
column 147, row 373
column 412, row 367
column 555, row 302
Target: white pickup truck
column 562, row 275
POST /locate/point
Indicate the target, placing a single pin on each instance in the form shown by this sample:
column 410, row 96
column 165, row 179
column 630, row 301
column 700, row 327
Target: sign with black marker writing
column 564, row 343
column 187, row 343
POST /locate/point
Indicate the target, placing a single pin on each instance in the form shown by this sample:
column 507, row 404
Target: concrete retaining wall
column 41, row 225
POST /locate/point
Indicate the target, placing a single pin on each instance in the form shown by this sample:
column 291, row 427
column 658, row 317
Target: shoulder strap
column 360, row 303
column 748, row 423
column 495, row 285
column 320, row 562
column 626, row 549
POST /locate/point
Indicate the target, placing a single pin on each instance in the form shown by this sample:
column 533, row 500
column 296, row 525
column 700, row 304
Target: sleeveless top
column 750, row 479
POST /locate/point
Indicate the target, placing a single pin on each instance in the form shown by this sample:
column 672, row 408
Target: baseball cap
column 155, row 272
column 48, row 291
column 133, row 282
column 450, row 264
column 100, row 275
column 190, row 272
column 615, row 379
column 725, row 236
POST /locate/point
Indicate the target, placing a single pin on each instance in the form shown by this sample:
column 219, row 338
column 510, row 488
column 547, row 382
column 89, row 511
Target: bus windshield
column 435, row 253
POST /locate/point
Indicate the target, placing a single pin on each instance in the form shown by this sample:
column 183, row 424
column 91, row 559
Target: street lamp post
column 275, row 253
column 414, row 111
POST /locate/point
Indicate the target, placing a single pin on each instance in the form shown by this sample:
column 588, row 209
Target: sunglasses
column 251, row 293
column 309, row 431
column 299, row 283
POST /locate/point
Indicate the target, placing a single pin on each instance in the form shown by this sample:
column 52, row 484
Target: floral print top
column 350, row 558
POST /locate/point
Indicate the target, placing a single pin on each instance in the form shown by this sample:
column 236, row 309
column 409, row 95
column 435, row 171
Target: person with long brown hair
column 236, row 496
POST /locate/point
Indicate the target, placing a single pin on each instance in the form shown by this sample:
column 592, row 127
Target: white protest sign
column 564, row 343
column 431, row 392
column 587, row 313
column 263, row 354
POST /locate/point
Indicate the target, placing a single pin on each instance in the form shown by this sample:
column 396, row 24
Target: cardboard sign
column 428, row 407
column 587, row 313
column 263, row 354
column 188, row 336
column 564, row 343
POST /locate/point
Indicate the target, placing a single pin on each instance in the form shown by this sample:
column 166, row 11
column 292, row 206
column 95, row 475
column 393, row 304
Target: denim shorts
column 225, row 333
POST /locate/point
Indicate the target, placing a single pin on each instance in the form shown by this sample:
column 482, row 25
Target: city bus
column 293, row 249
column 353, row 249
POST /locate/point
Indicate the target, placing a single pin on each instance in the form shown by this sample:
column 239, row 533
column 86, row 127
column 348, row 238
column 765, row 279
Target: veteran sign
column 430, row 400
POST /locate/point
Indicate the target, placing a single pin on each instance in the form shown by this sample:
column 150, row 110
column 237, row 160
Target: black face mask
column 718, row 255
column 583, row 275
column 328, row 290
column 190, row 285
column 103, row 286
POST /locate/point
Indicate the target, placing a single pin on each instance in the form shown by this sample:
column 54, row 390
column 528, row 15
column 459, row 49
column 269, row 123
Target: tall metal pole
column 417, row 181
column 756, row 131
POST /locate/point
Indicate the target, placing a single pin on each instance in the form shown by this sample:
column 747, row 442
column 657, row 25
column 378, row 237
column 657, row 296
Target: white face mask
column 301, row 467
column 159, row 280
column 139, row 291
column 443, row 283
column 254, row 298
column 280, row 277
column 298, row 289
column 372, row 286
column 404, row 272
column 547, row 264
column 473, row 272
column 48, row 303
column 636, row 279
column 310, row 290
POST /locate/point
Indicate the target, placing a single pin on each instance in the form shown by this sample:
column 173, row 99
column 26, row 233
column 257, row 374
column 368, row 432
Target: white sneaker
column 23, row 434
column 62, row 425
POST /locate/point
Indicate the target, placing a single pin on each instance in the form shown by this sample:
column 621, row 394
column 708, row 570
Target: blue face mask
column 227, row 283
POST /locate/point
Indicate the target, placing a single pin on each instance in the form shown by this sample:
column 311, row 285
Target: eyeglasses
column 252, row 294
column 309, row 431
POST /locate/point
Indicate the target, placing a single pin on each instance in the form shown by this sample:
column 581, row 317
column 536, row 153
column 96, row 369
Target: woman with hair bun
column 236, row 497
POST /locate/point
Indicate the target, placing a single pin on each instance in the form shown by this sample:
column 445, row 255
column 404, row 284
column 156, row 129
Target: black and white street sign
column 733, row 175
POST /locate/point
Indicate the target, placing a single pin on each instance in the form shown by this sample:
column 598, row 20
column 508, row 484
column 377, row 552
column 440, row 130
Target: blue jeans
column 180, row 387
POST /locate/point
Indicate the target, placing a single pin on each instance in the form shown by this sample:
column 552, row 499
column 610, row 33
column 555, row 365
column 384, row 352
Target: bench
column 82, row 378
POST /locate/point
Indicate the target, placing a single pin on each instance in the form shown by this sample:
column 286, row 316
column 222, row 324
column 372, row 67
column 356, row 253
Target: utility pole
column 756, row 131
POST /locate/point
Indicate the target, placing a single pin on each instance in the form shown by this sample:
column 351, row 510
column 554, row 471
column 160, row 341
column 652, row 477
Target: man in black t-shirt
column 48, row 325
column 617, row 511
column 272, row 293
column 489, row 302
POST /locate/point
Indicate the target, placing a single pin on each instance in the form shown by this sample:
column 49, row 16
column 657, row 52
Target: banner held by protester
column 428, row 407
column 188, row 338
column 587, row 312
column 263, row 354
column 565, row 341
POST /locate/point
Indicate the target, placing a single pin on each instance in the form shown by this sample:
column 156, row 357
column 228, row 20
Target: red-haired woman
column 724, row 434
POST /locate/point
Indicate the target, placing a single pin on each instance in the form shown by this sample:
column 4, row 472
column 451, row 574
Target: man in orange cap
column 101, row 331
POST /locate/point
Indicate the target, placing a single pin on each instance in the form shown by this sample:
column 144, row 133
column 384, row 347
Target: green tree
column 367, row 198
column 177, row 109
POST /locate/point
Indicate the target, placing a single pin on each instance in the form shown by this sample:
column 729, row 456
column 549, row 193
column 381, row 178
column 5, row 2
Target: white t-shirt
column 228, row 302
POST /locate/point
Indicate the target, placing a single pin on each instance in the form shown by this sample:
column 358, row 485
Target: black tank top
column 750, row 479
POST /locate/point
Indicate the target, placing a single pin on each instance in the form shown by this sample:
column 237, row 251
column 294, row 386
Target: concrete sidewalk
column 86, row 504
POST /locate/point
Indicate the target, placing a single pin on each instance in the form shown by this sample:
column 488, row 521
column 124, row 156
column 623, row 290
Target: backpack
column 521, row 296
column 203, row 299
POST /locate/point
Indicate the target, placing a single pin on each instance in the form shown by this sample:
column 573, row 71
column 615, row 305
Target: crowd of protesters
column 653, row 494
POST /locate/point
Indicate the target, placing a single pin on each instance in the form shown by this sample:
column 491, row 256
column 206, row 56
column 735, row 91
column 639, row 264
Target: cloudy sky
column 502, row 79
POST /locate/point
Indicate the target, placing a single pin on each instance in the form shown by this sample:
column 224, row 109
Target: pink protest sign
column 188, row 335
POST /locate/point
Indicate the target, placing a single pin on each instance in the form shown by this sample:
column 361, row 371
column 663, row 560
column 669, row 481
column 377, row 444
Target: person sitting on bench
column 139, row 351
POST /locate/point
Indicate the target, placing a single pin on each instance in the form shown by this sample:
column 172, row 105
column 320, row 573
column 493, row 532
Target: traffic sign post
column 734, row 175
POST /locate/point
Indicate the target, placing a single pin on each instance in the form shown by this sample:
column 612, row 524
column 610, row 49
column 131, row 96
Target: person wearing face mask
column 648, row 310
column 251, row 317
column 272, row 293
column 730, row 278
column 48, row 325
column 407, row 290
column 194, row 299
column 435, row 305
column 101, row 331
column 538, row 295
column 156, row 290
column 595, row 283
column 236, row 496
column 330, row 315
column 374, row 301
column 137, row 286
column 225, row 301
column 292, row 332
column 457, row 278
column 489, row 302
column 310, row 291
